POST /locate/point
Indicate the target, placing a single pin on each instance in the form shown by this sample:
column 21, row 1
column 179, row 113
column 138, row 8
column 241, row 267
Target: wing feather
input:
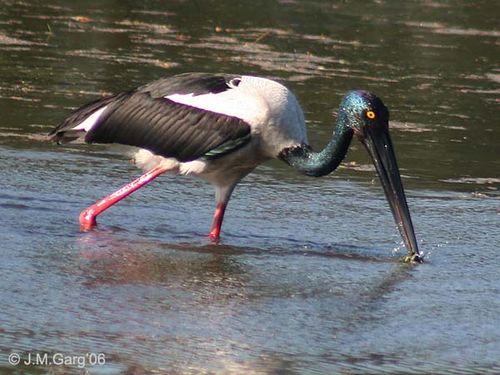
column 160, row 125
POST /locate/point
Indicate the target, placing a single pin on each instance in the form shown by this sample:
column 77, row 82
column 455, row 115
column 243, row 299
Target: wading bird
column 221, row 126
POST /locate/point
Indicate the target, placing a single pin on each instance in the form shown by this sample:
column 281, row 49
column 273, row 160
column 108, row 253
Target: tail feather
column 68, row 130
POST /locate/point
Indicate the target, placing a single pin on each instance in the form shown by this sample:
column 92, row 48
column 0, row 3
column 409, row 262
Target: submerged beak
column 377, row 141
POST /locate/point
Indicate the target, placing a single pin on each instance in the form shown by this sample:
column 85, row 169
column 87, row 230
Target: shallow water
column 307, row 278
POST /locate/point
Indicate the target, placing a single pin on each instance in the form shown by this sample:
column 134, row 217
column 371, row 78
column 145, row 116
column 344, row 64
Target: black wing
column 190, row 83
column 144, row 118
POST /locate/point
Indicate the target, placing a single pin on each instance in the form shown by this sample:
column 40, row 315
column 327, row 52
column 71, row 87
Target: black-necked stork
column 221, row 126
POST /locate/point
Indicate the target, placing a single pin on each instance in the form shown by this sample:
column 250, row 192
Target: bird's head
column 362, row 112
column 365, row 115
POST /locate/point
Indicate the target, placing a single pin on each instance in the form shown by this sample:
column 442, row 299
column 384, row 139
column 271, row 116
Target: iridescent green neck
column 320, row 163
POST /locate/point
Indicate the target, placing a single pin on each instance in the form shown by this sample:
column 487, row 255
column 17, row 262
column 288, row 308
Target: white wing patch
column 90, row 121
column 230, row 103
column 219, row 103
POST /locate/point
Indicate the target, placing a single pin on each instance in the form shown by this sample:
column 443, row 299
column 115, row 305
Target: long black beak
column 377, row 141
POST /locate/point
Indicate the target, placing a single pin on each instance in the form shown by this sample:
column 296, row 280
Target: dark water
column 307, row 278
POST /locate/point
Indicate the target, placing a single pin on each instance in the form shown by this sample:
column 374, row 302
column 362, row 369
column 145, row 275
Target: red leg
column 88, row 216
column 217, row 223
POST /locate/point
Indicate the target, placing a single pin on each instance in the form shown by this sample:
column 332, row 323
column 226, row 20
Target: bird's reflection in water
column 110, row 259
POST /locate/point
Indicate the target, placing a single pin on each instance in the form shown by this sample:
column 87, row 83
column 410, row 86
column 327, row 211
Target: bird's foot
column 413, row 258
column 214, row 237
column 87, row 219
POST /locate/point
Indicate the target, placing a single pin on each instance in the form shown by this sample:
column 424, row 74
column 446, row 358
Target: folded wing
column 146, row 119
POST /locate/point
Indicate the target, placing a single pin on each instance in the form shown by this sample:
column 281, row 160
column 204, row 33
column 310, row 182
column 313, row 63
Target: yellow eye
column 371, row 115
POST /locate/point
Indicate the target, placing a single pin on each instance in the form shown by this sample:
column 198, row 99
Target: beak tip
column 415, row 257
